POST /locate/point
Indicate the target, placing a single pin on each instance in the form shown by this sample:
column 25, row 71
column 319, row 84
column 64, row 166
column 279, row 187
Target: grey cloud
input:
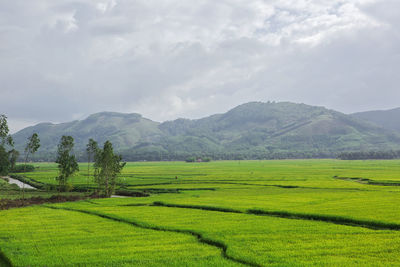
column 166, row 59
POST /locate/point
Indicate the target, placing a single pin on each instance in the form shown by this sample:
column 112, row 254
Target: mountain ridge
column 388, row 119
column 250, row 130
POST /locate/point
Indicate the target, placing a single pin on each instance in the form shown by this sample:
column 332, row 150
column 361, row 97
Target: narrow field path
column 215, row 243
column 374, row 225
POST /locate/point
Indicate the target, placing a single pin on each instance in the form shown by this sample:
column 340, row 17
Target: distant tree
column 107, row 167
column 13, row 157
column 4, row 161
column 67, row 164
column 31, row 147
column 91, row 150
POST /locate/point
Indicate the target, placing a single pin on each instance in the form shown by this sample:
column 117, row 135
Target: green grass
column 268, row 240
column 284, row 213
column 38, row 236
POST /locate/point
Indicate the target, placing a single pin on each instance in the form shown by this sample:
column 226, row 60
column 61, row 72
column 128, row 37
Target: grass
column 38, row 236
column 279, row 213
column 263, row 240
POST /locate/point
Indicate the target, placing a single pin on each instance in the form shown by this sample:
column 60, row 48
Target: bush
column 198, row 159
column 22, row 168
column 191, row 159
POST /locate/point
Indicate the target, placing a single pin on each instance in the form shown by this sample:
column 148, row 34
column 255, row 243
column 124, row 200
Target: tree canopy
column 107, row 167
column 67, row 163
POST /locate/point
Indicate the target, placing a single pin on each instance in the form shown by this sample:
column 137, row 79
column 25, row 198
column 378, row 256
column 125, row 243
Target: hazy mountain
column 284, row 127
column 388, row 119
column 123, row 130
column 251, row 130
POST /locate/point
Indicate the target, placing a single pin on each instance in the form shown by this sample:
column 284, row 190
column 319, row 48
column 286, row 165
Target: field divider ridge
column 200, row 237
column 221, row 182
column 340, row 220
column 367, row 181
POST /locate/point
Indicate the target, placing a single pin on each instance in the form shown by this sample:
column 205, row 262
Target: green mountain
column 123, row 130
column 283, row 127
column 388, row 119
column 252, row 130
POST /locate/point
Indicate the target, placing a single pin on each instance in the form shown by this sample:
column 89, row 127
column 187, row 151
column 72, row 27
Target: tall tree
column 107, row 167
column 5, row 140
column 91, row 150
column 67, row 164
column 3, row 129
column 31, row 147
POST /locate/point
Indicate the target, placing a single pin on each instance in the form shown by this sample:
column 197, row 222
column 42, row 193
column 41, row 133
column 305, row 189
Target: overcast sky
column 63, row 60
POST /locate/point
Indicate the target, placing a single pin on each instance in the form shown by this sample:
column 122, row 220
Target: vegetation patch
column 130, row 193
column 23, row 168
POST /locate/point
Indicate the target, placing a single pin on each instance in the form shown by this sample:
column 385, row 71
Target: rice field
column 251, row 213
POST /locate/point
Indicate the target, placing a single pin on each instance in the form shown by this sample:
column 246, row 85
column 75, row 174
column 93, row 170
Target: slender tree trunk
column 88, row 172
column 106, row 191
column 23, row 184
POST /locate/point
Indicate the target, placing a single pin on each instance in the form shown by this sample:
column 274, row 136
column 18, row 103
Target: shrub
column 191, row 159
column 22, row 168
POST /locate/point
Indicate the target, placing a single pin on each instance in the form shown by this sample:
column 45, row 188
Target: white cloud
column 105, row 6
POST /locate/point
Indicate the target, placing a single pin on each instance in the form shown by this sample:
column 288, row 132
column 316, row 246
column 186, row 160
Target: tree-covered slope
column 123, row 130
column 284, row 127
column 252, row 130
column 388, row 119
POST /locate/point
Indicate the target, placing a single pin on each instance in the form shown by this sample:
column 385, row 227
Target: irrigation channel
column 27, row 186
column 17, row 182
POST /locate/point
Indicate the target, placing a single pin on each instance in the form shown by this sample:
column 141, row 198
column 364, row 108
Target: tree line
column 107, row 165
column 363, row 155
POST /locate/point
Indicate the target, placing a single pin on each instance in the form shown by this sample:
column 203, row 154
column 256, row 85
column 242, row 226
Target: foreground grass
column 284, row 213
column 38, row 236
column 261, row 240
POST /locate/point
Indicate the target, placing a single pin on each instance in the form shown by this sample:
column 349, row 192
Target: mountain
column 284, row 127
column 252, row 130
column 388, row 119
column 123, row 130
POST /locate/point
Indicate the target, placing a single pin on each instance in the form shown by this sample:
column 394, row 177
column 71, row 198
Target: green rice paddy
column 256, row 213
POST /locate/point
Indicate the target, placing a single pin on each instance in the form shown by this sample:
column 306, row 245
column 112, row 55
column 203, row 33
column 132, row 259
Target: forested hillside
column 254, row 130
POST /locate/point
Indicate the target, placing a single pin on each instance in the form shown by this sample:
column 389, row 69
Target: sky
column 66, row 59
